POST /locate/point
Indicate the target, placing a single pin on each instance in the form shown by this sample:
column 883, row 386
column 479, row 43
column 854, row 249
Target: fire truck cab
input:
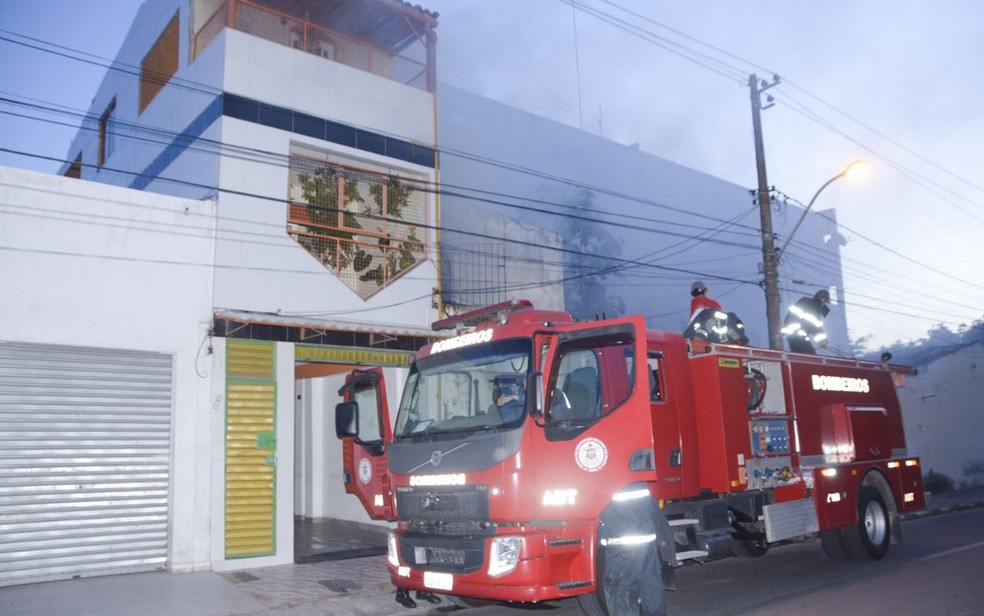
column 724, row 448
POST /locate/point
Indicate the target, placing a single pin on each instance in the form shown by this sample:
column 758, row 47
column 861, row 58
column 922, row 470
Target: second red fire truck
column 526, row 446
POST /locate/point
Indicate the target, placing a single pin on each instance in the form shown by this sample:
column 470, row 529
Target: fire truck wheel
column 869, row 538
column 752, row 548
column 652, row 596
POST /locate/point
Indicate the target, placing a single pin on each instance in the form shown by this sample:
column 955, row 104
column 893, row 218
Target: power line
column 607, row 3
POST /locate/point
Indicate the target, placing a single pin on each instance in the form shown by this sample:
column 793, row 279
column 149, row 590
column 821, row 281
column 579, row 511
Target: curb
column 931, row 511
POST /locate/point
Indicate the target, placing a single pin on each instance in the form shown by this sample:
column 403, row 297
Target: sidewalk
column 355, row 587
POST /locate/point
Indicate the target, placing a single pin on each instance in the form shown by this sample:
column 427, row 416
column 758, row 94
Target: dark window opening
column 75, row 169
column 107, row 133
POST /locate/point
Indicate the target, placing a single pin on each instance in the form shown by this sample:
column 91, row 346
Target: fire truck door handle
column 676, row 458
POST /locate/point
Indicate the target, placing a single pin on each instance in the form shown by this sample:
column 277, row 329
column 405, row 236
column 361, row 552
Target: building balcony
column 385, row 37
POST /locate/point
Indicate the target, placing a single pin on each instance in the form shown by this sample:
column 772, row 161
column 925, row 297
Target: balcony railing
column 306, row 36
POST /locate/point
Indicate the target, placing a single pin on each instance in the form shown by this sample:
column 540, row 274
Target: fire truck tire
column 832, row 544
column 593, row 603
column 597, row 603
column 752, row 548
column 870, row 537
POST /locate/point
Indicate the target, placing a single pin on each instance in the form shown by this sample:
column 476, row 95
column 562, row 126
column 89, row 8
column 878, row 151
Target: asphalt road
column 936, row 570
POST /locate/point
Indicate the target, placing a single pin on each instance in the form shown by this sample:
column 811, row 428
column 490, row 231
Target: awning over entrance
column 251, row 325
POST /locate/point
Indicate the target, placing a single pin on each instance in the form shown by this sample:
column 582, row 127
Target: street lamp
column 857, row 168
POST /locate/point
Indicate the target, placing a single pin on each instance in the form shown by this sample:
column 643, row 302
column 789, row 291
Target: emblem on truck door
column 365, row 470
column 591, row 455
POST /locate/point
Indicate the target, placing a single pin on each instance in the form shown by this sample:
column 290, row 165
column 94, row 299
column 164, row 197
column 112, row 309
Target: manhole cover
column 340, row 585
column 242, row 576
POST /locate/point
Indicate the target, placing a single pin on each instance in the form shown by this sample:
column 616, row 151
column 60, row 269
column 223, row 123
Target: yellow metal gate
column 251, row 465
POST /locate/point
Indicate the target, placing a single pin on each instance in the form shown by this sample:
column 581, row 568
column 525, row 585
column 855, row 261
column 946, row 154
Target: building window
column 365, row 226
column 107, row 133
column 75, row 169
column 160, row 63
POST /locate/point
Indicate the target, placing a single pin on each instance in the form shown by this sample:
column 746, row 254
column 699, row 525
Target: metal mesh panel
column 353, row 53
column 271, row 26
column 477, row 275
column 295, row 32
column 363, row 226
column 160, row 63
column 443, row 504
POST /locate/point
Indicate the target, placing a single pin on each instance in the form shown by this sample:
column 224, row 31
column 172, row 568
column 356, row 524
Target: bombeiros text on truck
column 535, row 458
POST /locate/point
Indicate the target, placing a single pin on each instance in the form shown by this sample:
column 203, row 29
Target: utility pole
column 770, row 265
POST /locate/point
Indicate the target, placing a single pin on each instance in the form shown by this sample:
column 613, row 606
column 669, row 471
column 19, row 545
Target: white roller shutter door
column 85, row 440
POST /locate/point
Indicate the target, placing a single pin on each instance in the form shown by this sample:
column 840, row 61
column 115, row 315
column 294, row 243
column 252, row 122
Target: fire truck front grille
column 443, row 504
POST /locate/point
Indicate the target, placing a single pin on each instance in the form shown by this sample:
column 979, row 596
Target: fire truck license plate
column 438, row 581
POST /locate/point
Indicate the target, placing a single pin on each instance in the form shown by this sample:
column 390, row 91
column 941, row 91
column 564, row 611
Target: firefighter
column 707, row 318
column 508, row 392
column 636, row 540
column 709, row 321
column 700, row 301
column 803, row 326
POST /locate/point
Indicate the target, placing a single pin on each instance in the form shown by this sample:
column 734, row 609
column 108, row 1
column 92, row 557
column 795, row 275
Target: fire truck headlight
column 392, row 552
column 504, row 555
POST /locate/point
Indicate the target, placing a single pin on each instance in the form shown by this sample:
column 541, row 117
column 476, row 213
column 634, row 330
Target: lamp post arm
column 799, row 222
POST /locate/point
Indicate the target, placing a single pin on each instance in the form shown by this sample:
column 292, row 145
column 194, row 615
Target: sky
column 894, row 82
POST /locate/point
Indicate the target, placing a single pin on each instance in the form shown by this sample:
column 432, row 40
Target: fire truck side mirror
column 347, row 419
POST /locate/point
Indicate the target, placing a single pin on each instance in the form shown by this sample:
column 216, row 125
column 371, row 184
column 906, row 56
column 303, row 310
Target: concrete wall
column 943, row 411
column 280, row 75
column 143, row 136
column 501, row 161
column 176, row 140
column 86, row 264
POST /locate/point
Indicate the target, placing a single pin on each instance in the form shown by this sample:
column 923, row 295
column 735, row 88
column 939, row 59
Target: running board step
column 691, row 554
column 683, row 522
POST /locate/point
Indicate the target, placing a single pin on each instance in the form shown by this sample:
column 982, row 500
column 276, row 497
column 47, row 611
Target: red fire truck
column 731, row 448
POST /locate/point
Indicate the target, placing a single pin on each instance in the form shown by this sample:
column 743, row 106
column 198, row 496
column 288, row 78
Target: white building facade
column 300, row 143
column 257, row 217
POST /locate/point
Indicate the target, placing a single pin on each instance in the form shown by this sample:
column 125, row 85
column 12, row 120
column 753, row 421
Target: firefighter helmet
column 507, row 385
column 698, row 288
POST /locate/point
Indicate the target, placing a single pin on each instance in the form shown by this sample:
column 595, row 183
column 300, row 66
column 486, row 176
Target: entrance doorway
column 329, row 524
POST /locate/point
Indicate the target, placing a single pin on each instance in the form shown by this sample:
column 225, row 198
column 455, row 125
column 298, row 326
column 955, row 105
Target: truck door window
column 369, row 428
column 655, row 376
column 592, row 378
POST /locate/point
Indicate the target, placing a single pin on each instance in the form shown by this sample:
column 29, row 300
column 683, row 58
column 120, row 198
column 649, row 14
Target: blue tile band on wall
column 242, row 108
column 249, row 110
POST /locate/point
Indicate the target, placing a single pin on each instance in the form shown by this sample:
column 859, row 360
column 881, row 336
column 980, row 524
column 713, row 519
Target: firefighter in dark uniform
column 637, row 546
column 803, row 326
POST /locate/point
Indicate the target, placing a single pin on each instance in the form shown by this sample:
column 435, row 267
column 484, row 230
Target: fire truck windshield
column 474, row 388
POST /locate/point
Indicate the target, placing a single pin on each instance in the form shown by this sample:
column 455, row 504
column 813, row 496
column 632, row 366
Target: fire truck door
column 668, row 450
column 362, row 422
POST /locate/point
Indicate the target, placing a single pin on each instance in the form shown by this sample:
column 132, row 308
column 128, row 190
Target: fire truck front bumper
column 518, row 563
